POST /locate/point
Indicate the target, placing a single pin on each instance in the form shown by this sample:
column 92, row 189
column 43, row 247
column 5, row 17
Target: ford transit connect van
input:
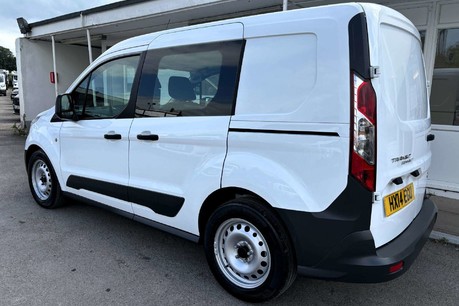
column 291, row 142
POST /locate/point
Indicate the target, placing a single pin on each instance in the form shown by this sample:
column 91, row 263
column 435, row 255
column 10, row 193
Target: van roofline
column 146, row 39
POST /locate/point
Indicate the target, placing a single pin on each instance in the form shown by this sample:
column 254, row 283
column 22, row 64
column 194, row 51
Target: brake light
column 363, row 151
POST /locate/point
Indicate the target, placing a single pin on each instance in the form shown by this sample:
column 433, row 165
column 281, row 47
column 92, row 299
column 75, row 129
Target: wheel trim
column 242, row 253
column 41, row 180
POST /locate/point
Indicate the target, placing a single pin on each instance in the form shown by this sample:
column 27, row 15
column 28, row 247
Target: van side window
column 106, row 91
column 197, row 80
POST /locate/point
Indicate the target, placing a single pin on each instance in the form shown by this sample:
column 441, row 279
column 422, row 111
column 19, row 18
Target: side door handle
column 112, row 136
column 150, row 137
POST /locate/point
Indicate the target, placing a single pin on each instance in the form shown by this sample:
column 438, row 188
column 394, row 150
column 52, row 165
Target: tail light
column 363, row 151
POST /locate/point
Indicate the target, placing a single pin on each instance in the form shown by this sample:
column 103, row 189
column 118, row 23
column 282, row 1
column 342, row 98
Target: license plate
column 399, row 199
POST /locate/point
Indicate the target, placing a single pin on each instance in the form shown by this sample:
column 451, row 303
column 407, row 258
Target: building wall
column 35, row 63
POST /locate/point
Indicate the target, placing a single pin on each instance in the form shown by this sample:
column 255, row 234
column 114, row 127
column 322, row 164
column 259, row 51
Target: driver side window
column 106, row 91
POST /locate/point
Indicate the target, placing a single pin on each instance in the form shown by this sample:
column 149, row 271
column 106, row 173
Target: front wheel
column 249, row 251
column 43, row 181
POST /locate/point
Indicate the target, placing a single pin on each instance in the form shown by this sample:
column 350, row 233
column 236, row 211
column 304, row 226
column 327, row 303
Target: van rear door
column 403, row 121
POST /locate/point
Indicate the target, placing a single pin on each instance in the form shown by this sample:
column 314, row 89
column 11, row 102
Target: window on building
column 197, row 80
column 444, row 98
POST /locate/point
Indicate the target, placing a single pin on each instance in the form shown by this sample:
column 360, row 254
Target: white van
column 288, row 142
column 3, row 84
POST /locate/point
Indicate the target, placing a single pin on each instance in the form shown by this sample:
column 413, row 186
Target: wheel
column 249, row 251
column 43, row 181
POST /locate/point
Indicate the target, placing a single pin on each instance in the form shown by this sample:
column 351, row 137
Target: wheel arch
column 51, row 155
column 249, row 206
column 29, row 151
column 223, row 195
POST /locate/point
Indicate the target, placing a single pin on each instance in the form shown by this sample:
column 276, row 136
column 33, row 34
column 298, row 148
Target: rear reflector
column 363, row 153
column 395, row 268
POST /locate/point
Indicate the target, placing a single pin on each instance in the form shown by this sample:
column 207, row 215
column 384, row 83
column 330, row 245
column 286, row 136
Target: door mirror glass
column 64, row 107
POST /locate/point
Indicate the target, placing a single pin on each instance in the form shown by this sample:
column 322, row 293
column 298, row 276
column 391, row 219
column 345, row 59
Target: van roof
column 146, row 39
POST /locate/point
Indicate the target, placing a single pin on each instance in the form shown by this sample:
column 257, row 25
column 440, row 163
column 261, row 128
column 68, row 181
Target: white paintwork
column 403, row 120
column 85, row 153
column 290, row 171
column 207, row 34
column 43, row 134
column 297, row 172
column 297, row 89
column 186, row 161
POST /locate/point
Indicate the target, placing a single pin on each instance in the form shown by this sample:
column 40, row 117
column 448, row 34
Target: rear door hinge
column 374, row 72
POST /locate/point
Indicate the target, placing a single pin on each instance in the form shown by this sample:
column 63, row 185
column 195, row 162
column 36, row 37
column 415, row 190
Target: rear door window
column 404, row 73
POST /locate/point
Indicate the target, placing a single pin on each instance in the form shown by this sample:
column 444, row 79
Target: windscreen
column 402, row 73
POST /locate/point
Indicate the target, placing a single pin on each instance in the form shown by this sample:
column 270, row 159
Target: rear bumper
column 355, row 259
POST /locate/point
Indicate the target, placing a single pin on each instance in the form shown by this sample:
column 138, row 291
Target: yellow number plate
column 399, row 199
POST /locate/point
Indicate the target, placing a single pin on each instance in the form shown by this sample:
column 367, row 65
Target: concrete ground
column 448, row 215
column 82, row 255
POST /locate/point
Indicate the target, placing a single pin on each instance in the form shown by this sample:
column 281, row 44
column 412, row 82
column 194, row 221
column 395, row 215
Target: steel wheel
column 242, row 253
column 42, row 181
column 248, row 250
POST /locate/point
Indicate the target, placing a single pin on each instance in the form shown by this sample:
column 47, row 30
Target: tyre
column 249, row 251
column 43, row 182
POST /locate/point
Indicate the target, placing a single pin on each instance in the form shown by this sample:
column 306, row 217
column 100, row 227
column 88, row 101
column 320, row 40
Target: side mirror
column 64, row 107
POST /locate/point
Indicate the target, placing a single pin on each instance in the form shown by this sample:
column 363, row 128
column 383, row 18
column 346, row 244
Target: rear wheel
column 249, row 251
column 43, row 181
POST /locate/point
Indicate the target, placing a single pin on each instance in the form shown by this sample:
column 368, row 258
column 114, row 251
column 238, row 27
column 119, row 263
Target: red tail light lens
column 363, row 153
column 397, row 267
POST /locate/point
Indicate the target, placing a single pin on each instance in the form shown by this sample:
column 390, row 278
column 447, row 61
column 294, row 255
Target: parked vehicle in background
column 16, row 106
column 15, row 81
column 279, row 141
column 14, row 92
column 3, row 84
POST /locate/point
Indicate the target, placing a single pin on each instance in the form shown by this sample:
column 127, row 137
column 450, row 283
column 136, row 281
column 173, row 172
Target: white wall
column 35, row 62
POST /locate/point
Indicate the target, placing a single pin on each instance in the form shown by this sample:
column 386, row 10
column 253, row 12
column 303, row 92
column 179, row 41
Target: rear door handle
column 112, row 136
column 151, row 137
column 430, row 137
